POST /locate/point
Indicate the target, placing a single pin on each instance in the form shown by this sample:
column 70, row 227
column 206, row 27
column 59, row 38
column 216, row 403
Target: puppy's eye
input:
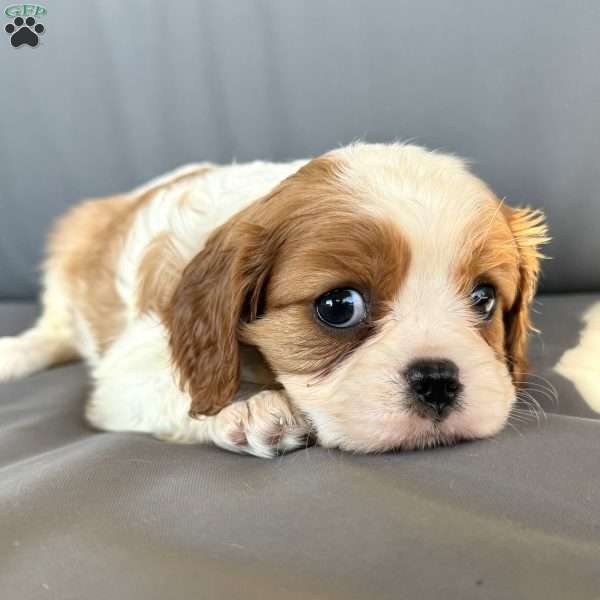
column 483, row 299
column 341, row 308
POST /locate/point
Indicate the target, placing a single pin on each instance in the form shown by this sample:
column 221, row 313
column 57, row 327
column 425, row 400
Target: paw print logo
column 24, row 32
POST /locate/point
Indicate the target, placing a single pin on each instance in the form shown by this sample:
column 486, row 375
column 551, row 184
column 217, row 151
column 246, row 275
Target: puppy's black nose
column 434, row 385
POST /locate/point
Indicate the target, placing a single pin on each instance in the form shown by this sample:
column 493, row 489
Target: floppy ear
column 221, row 285
column 530, row 232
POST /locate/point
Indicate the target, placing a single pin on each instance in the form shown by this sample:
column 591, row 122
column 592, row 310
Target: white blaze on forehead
column 438, row 205
column 433, row 198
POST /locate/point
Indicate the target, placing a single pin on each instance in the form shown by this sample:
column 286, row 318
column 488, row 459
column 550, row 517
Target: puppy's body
column 158, row 288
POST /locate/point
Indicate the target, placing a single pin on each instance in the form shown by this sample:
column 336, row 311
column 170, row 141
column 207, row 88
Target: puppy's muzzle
column 434, row 387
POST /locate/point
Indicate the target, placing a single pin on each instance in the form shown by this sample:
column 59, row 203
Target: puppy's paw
column 264, row 425
column 17, row 358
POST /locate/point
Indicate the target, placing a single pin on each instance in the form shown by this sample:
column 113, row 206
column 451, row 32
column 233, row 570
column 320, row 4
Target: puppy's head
column 387, row 288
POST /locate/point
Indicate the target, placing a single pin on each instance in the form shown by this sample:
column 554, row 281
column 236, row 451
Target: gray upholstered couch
column 118, row 92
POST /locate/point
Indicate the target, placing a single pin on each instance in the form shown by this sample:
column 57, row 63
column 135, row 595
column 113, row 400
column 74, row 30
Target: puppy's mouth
column 433, row 437
column 432, row 413
column 412, row 432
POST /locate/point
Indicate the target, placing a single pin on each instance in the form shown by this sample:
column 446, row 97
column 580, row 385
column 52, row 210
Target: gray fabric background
column 120, row 91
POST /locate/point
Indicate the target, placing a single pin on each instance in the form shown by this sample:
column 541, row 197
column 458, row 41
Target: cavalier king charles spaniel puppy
column 379, row 294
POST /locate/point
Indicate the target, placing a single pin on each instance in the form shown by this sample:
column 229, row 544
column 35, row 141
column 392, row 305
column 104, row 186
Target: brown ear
column 530, row 232
column 219, row 286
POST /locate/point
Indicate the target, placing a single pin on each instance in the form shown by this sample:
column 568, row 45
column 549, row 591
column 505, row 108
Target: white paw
column 581, row 364
column 263, row 425
column 17, row 358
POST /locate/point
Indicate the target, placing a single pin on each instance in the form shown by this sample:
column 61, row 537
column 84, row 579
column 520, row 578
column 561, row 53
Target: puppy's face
column 388, row 290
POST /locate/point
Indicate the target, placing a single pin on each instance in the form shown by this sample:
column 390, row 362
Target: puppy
column 385, row 287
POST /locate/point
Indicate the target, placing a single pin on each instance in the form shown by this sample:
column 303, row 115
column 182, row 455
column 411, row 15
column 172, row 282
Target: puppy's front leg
column 136, row 391
column 263, row 425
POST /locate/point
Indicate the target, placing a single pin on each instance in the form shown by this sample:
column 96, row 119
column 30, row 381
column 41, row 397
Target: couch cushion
column 126, row 516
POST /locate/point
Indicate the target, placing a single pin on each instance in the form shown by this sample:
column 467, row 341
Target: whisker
column 514, row 427
column 533, row 404
column 546, row 394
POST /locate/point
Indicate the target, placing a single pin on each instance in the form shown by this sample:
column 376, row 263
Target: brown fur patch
column 84, row 249
column 530, row 233
column 158, row 274
column 202, row 321
column 350, row 251
column 490, row 255
column 503, row 251
column 274, row 258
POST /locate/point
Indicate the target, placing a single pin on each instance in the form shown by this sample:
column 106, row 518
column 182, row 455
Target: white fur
column 581, row 364
column 49, row 342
